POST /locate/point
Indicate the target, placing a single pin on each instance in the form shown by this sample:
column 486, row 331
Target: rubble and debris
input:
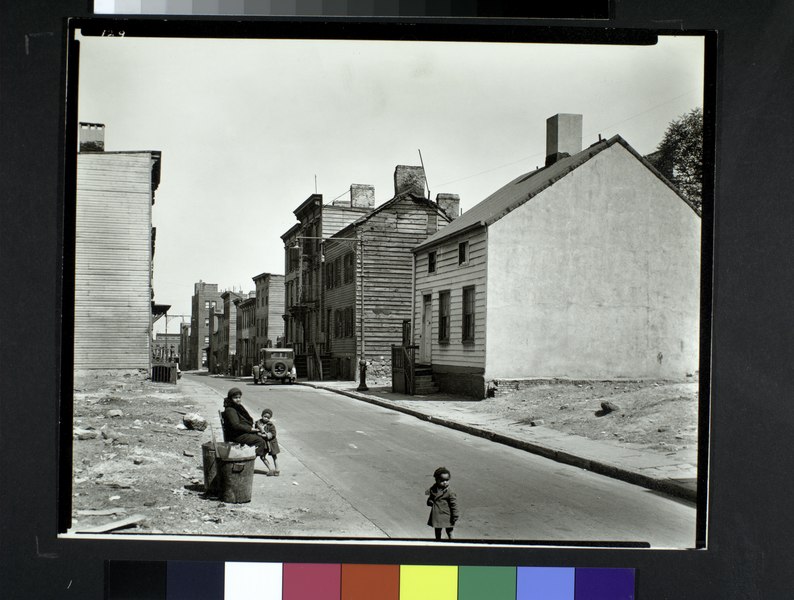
column 120, row 524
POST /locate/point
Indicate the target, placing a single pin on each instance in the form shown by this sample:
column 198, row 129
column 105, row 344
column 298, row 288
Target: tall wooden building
column 305, row 328
column 368, row 271
column 269, row 312
column 114, row 248
column 245, row 307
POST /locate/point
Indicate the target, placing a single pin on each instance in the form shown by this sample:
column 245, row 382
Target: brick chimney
column 409, row 180
column 563, row 136
column 362, row 195
column 450, row 204
column 92, row 137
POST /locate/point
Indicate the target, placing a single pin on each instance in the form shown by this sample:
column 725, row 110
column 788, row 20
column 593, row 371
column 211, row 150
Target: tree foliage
column 679, row 156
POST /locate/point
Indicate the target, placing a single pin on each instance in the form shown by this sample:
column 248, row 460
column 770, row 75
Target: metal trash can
column 236, row 479
column 212, row 479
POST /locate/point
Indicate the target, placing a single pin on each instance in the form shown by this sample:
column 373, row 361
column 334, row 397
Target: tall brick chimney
column 362, row 195
column 450, row 204
column 409, row 180
column 92, row 137
column 563, row 136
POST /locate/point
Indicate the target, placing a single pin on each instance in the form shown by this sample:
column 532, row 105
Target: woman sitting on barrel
column 238, row 425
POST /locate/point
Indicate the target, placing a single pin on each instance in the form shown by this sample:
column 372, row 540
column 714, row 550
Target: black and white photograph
column 389, row 291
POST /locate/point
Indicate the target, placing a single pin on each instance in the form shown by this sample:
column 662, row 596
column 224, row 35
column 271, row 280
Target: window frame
column 463, row 247
column 468, row 319
column 432, row 261
column 444, row 316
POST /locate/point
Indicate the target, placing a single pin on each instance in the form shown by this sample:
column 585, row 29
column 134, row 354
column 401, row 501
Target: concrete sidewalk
column 674, row 474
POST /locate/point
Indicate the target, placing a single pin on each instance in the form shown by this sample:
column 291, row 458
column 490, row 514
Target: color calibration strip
column 356, row 8
column 306, row 581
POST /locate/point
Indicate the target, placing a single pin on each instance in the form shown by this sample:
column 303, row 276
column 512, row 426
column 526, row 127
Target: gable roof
column 524, row 187
column 389, row 203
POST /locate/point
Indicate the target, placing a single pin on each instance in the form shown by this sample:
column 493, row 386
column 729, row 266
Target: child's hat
column 267, row 411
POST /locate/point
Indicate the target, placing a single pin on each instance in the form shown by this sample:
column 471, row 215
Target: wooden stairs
column 423, row 381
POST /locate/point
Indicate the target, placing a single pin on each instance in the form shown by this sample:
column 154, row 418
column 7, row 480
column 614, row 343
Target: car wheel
column 279, row 369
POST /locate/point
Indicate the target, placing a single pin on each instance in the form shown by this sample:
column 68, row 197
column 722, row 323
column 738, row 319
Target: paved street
column 379, row 462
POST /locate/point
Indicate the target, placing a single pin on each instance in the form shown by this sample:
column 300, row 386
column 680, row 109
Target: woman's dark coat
column 239, row 425
column 443, row 507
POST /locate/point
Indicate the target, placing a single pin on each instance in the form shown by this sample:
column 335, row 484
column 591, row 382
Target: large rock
column 194, row 421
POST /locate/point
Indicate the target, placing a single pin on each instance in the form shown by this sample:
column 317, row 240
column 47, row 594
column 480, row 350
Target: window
column 207, row 304
column 350, row 329
column 349, row 267
column 206, row 339
column 337, row 272
column 431, row 262
column 338, row 327
column 329, row 275
column 443, row 316
column 206, row 322
column 468, row 314
column 463, row 253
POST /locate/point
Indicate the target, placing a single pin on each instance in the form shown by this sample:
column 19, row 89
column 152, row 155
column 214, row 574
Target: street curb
column 667, row 486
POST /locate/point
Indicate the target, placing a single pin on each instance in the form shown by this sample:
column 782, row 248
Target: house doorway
column 426, row 343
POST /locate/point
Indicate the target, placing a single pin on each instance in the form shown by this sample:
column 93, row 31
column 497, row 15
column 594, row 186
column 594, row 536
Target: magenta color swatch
column 311, row 581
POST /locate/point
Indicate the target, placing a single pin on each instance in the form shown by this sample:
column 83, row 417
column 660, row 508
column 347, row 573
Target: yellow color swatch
column 428, row 582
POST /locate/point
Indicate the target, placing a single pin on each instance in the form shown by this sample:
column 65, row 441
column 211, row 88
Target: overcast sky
column 246, row 127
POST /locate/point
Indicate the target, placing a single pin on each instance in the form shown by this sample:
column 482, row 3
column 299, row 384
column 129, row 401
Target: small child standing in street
column 443, row 503
column 267, row 429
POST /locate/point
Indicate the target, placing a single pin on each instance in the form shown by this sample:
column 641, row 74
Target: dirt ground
column 132, row 456
column 144, row 463
column 659, row 416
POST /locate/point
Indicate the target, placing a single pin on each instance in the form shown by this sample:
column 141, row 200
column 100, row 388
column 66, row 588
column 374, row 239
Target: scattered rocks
column 537, row 422
column 113, row 413
column 85, row 434
column 187, row 453
column 138, row 460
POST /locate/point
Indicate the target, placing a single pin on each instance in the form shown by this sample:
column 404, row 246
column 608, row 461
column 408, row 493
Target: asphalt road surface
column 381, row 462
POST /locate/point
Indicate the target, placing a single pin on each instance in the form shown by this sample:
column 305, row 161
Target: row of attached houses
column 586, row 268
column 228, row 329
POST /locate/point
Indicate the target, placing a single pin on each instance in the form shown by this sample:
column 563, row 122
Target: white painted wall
column 595, row 277
column 454, row 277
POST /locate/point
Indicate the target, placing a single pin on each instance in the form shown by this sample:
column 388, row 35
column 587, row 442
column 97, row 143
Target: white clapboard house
column 586, row 268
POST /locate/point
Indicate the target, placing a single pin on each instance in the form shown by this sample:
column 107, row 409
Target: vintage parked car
column 275, row 363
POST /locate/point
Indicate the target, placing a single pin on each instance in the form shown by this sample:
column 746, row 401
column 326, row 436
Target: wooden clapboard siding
column 336, row 218
column 451, row 276
column 389, row 235
column 275, row 310
column 113, row 261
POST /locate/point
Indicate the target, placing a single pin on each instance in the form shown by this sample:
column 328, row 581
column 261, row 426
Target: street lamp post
column 354, row 242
